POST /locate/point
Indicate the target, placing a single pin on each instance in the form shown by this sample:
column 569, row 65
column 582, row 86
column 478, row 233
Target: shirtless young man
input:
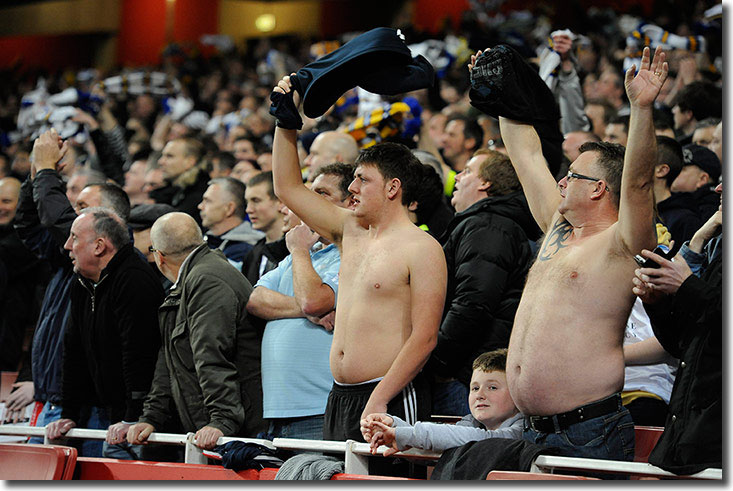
column 565, row 365
column 392, row 281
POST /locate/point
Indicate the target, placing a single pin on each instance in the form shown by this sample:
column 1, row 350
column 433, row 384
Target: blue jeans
column 609, row 437
column 86, row 448
column 306, row 427
column 450, row 399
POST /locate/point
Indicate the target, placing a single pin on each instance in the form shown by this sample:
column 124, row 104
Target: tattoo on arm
column 556, row 239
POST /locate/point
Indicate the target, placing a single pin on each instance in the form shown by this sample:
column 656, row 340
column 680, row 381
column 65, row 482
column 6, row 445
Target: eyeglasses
column 581, row 176
column 153, row 249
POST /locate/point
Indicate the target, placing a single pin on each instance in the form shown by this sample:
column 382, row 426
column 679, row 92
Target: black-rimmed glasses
column 587, row 178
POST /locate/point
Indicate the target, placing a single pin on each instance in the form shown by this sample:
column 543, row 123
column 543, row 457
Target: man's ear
column 469, row 143
column 485, row 186
column 231, row 208
column 100, row 246
column 393, row 187
column 598, row 189
column 661, row 170
column 412, row 206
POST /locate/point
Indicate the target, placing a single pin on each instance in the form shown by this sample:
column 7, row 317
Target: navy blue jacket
column 43, row 221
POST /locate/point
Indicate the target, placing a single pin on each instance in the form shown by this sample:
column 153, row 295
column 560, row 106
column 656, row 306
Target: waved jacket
column 208, row 369
column 112, row 342
column 488, row 255
column 43, row 221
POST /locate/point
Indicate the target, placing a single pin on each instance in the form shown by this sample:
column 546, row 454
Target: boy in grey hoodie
column 493, row 415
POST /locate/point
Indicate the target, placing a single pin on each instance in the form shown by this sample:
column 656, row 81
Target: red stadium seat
column 646, row 439
column 533, row 476
column 36, row 462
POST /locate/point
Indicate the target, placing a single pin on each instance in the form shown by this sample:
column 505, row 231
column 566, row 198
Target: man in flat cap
column 388, row 265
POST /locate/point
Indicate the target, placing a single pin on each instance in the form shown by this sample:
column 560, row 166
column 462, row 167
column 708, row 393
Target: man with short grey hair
column 222, row 212
column 209, row 363
column 111, row 344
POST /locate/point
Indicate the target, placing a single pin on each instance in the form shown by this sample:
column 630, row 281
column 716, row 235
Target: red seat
column 533, row 476
column 97, row 468
column 646, row 439
column 36, row 462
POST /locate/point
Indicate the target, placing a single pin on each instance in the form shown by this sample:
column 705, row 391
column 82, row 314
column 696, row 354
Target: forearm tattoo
column 556, row 239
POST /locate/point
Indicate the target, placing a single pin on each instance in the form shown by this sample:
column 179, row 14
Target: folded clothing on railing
column 309, row 467
column 237, row 456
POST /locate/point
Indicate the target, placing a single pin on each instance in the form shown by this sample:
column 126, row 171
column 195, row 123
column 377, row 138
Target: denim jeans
column 450, row 399
column 307, row 427
column 609, row 437
column 86, row 448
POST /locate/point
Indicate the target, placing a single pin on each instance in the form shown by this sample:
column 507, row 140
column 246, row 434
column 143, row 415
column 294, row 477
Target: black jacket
column 112, row 342
column 274, row 251
column 707, row 201
column 488, row 256
column 680, row 215
column 185, row 192
column 689, row 325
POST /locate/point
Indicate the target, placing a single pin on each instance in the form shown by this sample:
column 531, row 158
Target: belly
column 564, row 352
column 367, row 339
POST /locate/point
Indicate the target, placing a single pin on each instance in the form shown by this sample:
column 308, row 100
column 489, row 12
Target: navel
column 376, row 285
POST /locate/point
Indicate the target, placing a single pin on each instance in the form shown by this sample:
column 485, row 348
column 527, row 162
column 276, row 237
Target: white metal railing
column 356, row 453
column 549, row 463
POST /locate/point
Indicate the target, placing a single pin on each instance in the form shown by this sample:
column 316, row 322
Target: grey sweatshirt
column 438, row 437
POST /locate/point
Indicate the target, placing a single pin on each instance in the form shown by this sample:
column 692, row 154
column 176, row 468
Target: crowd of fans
column 164, row 267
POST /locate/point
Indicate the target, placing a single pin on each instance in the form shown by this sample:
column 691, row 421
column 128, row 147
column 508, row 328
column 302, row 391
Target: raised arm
column 636, row 208
column 525, row 151
column 321, row 215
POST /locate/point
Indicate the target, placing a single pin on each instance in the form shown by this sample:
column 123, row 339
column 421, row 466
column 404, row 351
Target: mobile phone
column 661, row 250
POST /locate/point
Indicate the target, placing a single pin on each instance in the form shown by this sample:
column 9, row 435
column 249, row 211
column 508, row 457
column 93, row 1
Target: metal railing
column 356, row 453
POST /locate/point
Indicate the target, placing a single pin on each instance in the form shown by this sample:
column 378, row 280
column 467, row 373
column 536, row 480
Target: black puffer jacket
column 488, row 254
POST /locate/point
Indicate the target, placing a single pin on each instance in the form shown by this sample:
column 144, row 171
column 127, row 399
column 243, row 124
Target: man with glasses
column 565, row 366
column 209, row 363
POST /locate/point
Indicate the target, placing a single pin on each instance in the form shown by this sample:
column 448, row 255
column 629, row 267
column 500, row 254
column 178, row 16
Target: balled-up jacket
column 488, row 256
column 208, row 368
column 112, row 341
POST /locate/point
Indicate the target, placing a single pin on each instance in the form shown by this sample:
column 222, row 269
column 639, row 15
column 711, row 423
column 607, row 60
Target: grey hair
column 235, row 189
column 107, row 224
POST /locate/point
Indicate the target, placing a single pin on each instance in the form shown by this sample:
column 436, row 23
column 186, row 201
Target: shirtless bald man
column 392, row 281
column 565, row 366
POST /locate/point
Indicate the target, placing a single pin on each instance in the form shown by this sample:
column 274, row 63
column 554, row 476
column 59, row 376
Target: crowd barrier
column 355, row 457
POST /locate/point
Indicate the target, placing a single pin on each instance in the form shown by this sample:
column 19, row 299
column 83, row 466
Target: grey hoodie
column 438, row 437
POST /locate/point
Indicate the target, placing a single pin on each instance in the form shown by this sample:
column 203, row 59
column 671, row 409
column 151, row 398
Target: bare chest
column 373, row 267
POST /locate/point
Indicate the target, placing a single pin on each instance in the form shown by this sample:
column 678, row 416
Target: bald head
column 330, row 147
column 9, row 192
column 175, row 235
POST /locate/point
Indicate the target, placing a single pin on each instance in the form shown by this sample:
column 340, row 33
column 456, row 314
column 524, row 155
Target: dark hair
column 702, row 98
column 491, row 361
column 115, row 198
column 394, row 161
column 623, row 120
column 663, row 119
column 343, row 171
column 264, row 177
column 107, row 225
column 669, row 151
column 226, row 159
column 611, row 163
column 498, row 170
column 235, row 189
column 428, row 193
column 608, row 110
column 471, row 129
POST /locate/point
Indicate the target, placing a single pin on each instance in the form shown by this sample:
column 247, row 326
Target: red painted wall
column 192, row 18
column 49, row 52
column 430, row 14
column 142, row 32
